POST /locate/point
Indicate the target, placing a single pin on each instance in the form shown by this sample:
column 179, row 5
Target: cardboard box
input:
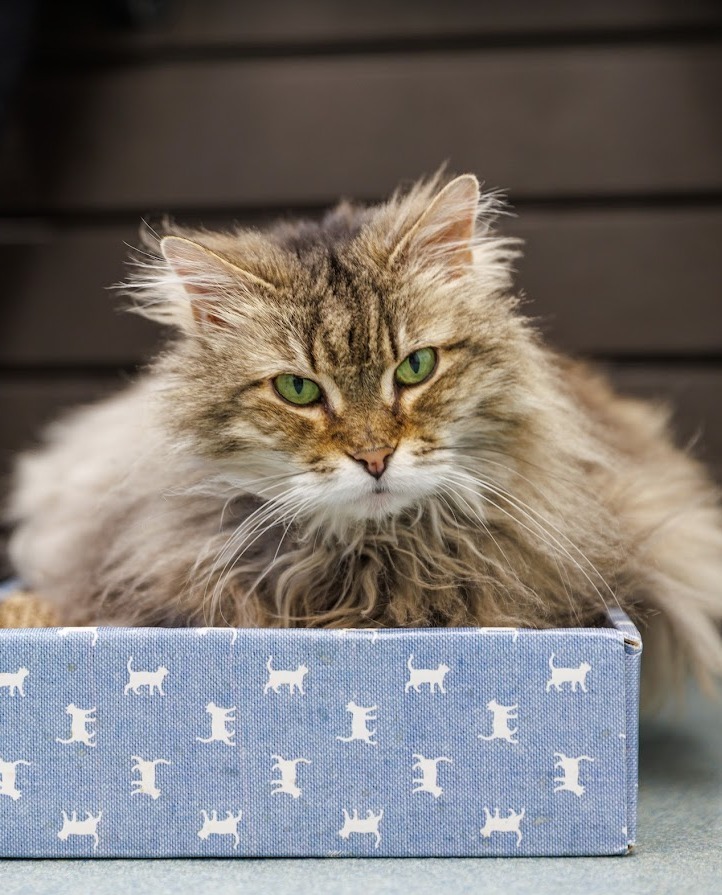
column 156, row 742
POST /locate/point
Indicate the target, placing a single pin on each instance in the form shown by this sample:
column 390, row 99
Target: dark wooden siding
column 540, row 122
column 601, row 120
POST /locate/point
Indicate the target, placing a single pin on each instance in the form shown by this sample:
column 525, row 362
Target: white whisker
column 463, row 480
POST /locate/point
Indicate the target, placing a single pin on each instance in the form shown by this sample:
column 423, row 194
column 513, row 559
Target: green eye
column 418, row 366
column 296, row 389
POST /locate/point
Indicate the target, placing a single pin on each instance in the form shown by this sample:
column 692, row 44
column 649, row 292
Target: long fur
column 523, row 491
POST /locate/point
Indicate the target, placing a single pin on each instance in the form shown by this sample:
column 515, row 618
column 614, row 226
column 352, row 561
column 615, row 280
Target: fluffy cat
column 354, row 425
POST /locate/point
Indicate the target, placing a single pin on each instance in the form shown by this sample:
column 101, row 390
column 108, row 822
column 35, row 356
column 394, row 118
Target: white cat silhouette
column 74, row 827
column 201, row 632
column 80, row 720
column 434, row 677
column 153, row 680
column 355, row 824
column 63, row 632
column 14, row 680
column 279, row 677
column 429, row 767
column 572, row 676
column 509, row 824
column 226, row 827
column 365, row 633
column 8, row 778
column 220, row 719
column 570, row 773
column 513, row 631
column 359, row 718
column 287, row 781
column 500, row 729
column 146, row 784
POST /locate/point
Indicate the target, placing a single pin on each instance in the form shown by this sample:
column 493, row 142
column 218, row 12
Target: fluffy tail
column 674, row 507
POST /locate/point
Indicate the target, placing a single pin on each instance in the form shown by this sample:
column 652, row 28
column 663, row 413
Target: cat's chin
column 377, row 504
column 381, row 503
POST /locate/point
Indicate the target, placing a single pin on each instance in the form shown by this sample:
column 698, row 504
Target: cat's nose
column 375, row 460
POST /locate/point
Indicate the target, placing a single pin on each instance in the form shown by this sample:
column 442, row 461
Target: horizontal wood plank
column 625, row 282
column 62, row 309
column 230, row 134
column 213, row 23
column 693, row 391
column 604, row 283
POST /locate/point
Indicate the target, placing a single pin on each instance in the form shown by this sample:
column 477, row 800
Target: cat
column 354, row 425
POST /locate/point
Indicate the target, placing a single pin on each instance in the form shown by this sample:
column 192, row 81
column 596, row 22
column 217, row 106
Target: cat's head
column 344, row 367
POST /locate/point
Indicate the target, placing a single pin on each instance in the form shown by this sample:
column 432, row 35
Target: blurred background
column 602, row 121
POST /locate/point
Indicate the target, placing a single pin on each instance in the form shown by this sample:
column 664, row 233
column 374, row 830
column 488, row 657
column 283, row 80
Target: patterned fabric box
column 160, row 742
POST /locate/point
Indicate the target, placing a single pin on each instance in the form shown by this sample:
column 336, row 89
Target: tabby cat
column 353, row 424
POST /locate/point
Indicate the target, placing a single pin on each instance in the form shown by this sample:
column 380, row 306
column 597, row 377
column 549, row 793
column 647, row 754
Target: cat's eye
column 417, row 367
column 296, row 389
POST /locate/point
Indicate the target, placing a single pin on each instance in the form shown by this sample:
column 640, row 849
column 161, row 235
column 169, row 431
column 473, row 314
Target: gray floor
column 679, row 846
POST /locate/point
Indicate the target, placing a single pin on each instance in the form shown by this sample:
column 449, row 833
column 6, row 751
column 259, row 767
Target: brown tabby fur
column 523, row 490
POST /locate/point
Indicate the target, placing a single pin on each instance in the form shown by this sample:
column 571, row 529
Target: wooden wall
column 601, row 120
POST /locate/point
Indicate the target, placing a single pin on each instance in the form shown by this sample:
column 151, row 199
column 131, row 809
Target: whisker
column 543, row 539
column 304, row 504
column 482, row 457
column 246, row 528
column 486, row 529
column 271, row 517
column 523, row 506
column 563, row 577
column 276, row 513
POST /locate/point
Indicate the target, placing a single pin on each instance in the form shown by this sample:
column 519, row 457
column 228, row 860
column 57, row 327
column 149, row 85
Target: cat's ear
column 208, row 279
column 444, row 232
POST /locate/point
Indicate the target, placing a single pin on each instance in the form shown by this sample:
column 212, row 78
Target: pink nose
column 374, row 460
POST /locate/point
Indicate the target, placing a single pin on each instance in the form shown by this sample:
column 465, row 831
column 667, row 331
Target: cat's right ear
column 210, row 282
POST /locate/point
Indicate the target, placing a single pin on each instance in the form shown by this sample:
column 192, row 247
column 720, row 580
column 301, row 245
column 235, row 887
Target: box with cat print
column 246, row 742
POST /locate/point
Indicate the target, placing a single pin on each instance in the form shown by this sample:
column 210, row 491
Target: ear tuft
column 444, row 232
column 188, row 261
column 201, row 275
column 206, row 277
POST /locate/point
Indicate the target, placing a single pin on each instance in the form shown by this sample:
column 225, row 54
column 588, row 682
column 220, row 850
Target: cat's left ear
column 445, row 231
column 208, row 279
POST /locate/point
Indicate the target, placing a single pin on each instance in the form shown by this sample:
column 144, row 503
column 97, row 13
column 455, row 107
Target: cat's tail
column 683, row 635
column 552, row 666
column 675, row 509
column 128, row 666
column 268, row 663
column 409, row 661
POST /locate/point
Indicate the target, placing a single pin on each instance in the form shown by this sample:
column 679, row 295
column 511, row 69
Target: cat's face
column 347, row 379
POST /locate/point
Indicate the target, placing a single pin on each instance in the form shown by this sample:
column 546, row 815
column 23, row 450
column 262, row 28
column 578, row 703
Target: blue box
column 153, row 742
